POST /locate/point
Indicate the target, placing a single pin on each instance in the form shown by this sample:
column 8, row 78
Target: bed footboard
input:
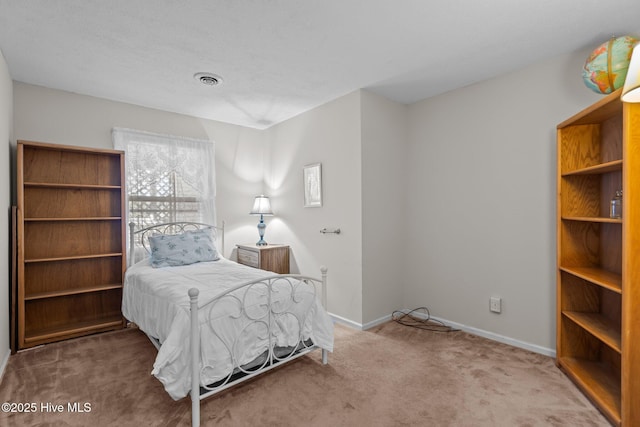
column 280, row 299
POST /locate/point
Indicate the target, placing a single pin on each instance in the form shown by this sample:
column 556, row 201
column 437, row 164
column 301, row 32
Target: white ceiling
column 279, row 58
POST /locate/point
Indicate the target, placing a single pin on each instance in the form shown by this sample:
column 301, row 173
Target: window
column 168, row 178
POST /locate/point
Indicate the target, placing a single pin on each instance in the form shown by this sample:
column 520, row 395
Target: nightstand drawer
column 249, row 258
column 272, row 257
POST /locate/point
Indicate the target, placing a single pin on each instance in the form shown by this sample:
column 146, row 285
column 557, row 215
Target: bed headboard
column 141, row 237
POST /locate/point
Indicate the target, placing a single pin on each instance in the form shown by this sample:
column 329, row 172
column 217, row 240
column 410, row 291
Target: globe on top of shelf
column 606, row 68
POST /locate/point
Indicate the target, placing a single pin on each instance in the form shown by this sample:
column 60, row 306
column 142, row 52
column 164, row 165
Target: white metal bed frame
column 264, row 318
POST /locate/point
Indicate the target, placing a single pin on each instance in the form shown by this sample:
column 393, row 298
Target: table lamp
column 262, row 207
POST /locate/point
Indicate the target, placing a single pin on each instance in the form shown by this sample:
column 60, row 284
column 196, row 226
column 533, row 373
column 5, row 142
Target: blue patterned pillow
column 182, row 249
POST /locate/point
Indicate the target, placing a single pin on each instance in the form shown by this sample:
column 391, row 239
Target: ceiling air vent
column 208, row 79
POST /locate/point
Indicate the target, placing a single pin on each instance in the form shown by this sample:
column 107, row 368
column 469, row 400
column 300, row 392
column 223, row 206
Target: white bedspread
column 156, row 300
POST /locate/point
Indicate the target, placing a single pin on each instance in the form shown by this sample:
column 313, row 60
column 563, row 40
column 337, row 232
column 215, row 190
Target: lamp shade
column 631, row 89
column 261, row 206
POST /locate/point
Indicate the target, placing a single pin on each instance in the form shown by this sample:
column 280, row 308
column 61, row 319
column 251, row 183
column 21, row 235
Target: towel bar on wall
column 328, row 231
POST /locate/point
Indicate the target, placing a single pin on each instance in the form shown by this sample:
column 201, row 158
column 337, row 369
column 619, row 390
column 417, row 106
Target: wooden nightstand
column 270, row 257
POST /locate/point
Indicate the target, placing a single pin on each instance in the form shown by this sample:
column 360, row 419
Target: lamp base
column 261, row 227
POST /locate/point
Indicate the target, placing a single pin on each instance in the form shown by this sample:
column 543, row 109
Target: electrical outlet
column 495, row 304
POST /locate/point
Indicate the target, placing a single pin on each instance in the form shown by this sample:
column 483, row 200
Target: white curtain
column 169, row 178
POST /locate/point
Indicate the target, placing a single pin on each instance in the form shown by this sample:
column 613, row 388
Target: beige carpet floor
column 391, row 375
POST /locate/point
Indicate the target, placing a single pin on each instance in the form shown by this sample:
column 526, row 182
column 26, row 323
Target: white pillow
column 170, row 250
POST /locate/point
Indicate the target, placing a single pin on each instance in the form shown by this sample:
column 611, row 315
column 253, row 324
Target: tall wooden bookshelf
column 598, row 274
column 71, row 241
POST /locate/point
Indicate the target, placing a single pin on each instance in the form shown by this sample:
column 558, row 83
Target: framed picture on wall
column 312, row 177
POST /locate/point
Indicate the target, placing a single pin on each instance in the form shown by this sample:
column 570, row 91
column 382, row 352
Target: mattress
column 233, row 328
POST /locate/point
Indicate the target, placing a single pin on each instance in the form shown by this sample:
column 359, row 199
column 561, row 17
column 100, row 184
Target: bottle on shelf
column 615, row 210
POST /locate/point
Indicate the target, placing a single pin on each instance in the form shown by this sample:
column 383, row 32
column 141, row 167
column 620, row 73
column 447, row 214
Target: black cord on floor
column 420, row 318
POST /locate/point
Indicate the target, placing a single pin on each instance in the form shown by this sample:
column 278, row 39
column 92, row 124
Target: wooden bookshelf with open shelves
column 598, row 275
column 71, row 242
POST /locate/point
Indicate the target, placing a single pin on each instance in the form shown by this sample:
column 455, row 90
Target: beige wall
column 329, row 134
column 481, row 208
column 49, row 115
column 6, row 120
column 384, row 176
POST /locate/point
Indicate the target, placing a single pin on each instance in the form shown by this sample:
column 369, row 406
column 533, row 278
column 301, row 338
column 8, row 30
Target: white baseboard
column 376, row 322
column 469, row 329
column 500, row 338
column 346, row 322
column 5, row 360
column 359, row 326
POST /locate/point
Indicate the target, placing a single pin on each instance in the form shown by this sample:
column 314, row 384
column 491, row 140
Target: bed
column 215, row 322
